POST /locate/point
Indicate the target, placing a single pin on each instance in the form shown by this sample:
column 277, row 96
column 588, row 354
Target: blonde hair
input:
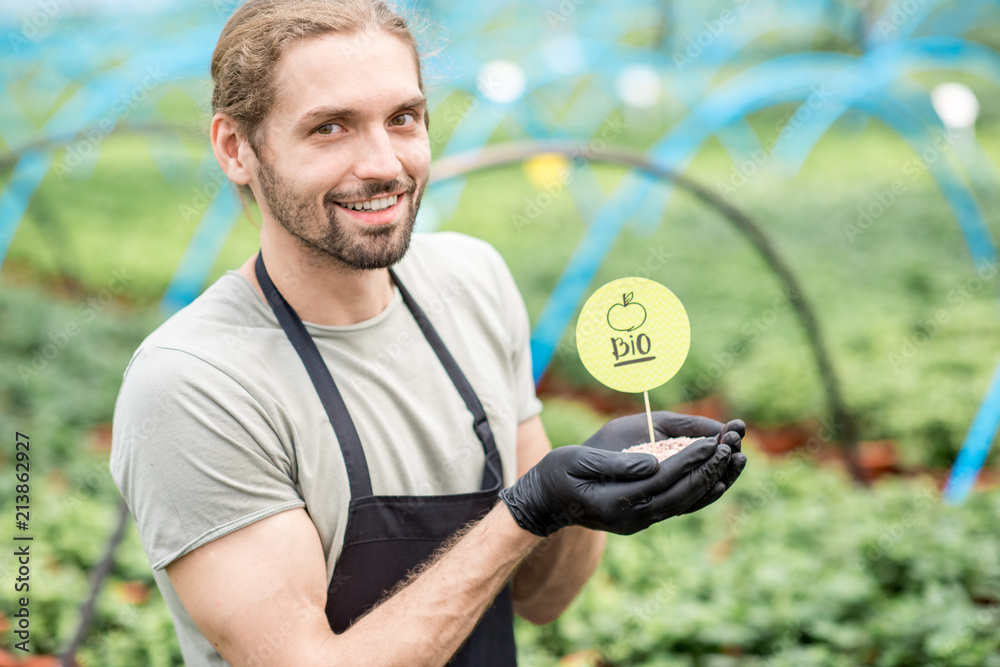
column 250, row 47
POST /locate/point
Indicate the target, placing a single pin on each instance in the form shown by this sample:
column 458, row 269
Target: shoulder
column 216, row 330
column 198, row 384
column 169, row 396
column 199, row 357
column 205, row 327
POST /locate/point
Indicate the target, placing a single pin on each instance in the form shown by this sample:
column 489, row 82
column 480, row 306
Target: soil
column 663, row 449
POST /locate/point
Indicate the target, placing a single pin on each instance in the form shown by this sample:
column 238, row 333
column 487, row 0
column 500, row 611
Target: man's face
column 346, row 132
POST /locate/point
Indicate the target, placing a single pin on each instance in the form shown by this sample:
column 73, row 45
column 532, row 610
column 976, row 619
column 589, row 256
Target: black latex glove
column 612, row 491
column 624, row 432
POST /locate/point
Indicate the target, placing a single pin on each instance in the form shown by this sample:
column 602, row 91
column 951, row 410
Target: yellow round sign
column 633, row 334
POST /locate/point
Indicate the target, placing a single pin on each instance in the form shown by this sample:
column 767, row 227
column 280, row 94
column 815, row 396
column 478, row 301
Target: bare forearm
column 548, row 580
column 428, row 620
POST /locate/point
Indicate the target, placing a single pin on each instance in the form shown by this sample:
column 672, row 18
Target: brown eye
column 401, row 119
column 328, row 129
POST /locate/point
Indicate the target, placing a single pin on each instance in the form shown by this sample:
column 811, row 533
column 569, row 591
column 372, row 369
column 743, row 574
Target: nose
column 377, row 159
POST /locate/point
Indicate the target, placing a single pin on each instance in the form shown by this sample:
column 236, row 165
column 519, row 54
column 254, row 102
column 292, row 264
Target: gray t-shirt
column 217, row 423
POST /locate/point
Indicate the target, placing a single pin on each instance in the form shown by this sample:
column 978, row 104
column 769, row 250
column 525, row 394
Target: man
column 313, row 450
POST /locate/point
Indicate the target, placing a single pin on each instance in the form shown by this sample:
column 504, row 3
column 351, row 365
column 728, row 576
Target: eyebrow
column 318, row 114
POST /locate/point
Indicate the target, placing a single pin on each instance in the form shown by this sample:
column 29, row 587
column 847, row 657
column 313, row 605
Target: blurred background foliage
column 797, row 565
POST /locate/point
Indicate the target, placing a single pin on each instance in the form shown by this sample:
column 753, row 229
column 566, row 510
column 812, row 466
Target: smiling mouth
column 371, row 205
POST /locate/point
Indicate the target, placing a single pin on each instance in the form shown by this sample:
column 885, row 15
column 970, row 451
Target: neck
column 320, row 289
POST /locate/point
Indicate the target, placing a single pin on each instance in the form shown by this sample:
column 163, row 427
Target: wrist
column 503, row 521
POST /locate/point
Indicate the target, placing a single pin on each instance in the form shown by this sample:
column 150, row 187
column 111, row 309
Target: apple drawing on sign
column 628, row 315
column 647, row 328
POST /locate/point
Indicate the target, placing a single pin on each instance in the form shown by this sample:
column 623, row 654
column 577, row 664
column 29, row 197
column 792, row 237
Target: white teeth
column 373, row 204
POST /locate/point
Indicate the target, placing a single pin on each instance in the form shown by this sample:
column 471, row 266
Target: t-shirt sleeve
column 516, row 315
column 194, row 454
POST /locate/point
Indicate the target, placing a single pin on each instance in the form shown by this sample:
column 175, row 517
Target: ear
column 232, row 150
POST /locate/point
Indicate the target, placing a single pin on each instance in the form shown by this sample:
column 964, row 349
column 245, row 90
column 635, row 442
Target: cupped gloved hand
column 624, row 432
column 613, row 491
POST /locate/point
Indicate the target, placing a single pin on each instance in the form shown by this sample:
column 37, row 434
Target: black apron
column 387, row 536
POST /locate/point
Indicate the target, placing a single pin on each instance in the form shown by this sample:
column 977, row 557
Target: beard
column 328, row 233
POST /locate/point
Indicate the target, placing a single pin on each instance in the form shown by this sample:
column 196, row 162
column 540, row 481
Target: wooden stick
column 649, row 418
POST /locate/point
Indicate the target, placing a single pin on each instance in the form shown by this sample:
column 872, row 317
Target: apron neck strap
column 333, row 402
column 491, row 471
